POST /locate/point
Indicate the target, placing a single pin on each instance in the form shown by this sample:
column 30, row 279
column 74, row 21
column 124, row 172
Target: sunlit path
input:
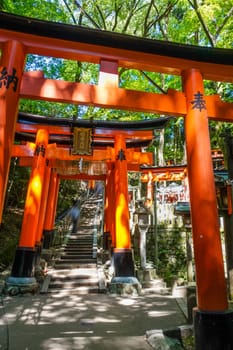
column 87, row 322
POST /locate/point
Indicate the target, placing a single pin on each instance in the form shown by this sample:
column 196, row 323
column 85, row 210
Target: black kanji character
column 13, row 79
column 40, row 150
column 6, row 79
column 3, row 77
column 121, row 155
column 198, row 102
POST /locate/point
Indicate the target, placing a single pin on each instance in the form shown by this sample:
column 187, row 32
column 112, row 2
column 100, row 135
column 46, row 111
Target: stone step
column 79, row 271
column 80, row 238
column 76, row 249
column 74, row 283
column 66, row 265
column 83, row 290
column 66, row 256
column 87, row 228
column 79, row 241
column 81, row 233
column 77, row 252
column 156, row 286
column 76, row 261
column 78, row 245
column 76, row 272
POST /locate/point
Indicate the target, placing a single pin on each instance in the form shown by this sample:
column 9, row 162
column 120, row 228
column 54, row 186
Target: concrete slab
column 88, row 322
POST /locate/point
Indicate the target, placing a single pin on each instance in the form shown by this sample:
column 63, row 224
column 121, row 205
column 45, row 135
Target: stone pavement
column 88, row 322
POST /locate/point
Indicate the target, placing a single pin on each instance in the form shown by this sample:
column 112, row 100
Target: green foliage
column 41, row 9
column 17, row 185
column 205, row 23
column 9, row 236
column 171, row 254
column 174, row 141
column 49, row 109
column 70, row 190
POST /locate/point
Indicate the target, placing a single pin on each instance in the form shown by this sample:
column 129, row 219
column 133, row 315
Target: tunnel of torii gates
column 20, row 36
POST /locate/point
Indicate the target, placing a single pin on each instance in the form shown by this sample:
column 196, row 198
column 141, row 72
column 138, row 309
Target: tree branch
column 153, row 82
column 161, row 16
column 220, row 28
column 130, row 15
column 70, row 11
column 194, row 5
column 101, row 15
column 147, row 25
column 86, row 14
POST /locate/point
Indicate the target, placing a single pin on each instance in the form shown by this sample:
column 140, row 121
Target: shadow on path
column 87, row 322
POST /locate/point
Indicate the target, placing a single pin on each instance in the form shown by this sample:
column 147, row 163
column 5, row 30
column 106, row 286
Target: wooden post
column 212, row 324
column 211, row 285
column 110, row 207
column 51, row 209
column 150, row 187
column 41, row 218
column 25, row 254
column 107, row 216
column 43, row 204
column 91, row 186
column 228, row 215
column 123, row 260
column 11, row 70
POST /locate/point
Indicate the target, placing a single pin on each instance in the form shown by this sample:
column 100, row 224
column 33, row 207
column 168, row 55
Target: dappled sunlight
column 122, row 222
column 159, row 313
column 49, row 88
column 94, row 321
column 36, row 187
column 67, row 343
column 127, row 301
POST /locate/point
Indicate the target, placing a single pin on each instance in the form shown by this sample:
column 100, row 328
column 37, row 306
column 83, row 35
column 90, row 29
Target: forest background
column 207, row 23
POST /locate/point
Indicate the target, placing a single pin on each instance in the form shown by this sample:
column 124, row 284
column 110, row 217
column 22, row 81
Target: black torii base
column 213, row 330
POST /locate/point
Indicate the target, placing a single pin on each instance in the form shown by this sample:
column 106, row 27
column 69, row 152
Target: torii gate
column 58, row 157
column 19, row 36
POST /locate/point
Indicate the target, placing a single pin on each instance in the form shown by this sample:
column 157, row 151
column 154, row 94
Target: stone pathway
column 86, row 322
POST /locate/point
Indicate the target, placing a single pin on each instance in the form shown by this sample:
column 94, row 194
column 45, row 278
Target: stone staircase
column 76, row 270
column 78, row 250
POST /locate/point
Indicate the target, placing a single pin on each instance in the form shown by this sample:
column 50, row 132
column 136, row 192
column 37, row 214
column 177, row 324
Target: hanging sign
column 82, row 140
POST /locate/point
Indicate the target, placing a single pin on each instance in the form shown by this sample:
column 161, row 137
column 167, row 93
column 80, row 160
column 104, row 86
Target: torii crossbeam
column 19, row 37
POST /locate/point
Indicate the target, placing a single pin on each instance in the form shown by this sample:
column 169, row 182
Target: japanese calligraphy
column 121, row 155
column 82, row 141
column 7, row 79
column 40, row 150
column 198, row 102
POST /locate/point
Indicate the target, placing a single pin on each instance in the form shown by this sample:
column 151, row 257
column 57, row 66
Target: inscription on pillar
column 121, row 155
column 6, row 79
column 198, row 102
column 40, row 150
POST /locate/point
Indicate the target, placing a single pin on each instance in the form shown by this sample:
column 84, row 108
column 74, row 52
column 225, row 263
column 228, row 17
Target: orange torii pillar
column 122, row 253
column 11, row 70
column 43, row 207
column 212, row 321
column 91, row 187
column 150, row 190
column 24, row 263
column 48, row 233
column 109, row 217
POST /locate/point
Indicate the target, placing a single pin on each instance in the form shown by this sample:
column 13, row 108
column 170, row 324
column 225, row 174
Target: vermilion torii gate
column 114, row 145
column 19, row 36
